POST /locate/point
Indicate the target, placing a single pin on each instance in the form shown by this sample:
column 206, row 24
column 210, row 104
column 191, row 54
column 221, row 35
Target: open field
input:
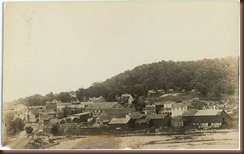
column 215, row 140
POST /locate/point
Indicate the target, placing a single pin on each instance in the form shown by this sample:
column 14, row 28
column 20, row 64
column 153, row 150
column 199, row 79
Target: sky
column 58, row 46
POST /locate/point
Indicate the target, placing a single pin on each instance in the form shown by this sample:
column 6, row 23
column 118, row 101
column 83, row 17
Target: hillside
column 211, row 77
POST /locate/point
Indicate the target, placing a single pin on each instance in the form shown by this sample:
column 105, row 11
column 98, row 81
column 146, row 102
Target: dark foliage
column 28, row 130
column 212, row 78
column 13, row 125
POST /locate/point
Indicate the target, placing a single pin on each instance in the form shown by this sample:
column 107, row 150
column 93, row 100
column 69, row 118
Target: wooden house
column 108, row 114
column 97, row 108
column 121, row 123
column 159, row 120
column 206, row 118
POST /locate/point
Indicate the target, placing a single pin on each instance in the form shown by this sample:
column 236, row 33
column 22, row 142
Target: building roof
column 189, row 113
column 136, row 115
column 208, row 112
column 86, row 103
column 150, row 105
column 202, row 112
column 119, row 121
column 156, row 116
column 48, row 117
column 142, row 121
column 117, row 111
column 179, row 105
column 63, row 104
column 47, row 112
column 53, row 121
column 101, row 106
column 83, row 113
column 126, row 95
column 96, row 98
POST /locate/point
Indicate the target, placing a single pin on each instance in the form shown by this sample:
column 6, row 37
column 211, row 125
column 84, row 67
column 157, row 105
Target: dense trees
column 12, row 124
column 212, row 77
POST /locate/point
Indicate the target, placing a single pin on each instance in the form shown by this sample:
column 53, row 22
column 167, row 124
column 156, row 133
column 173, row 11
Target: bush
column 13, row 125
column 28, row 130
column 55, row 130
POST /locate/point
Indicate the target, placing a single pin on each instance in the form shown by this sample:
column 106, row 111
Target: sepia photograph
column 87, row 75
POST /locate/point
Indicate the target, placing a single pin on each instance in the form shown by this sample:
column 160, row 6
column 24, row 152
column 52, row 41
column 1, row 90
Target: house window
column 209, row 124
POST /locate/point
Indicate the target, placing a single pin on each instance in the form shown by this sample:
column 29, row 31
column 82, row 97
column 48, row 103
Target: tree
column 50, row 97
column 13, row 125
column 28, row 130
column 55, row 131
column 64, row 97
column 198, row 105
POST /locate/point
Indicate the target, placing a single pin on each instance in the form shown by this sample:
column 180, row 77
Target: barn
column 206, row 118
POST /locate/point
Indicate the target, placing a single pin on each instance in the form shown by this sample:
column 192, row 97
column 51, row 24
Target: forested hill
column 209, row 76
column 212, row 77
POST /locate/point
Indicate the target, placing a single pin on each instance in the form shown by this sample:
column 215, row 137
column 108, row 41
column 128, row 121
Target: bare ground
column 216, row 140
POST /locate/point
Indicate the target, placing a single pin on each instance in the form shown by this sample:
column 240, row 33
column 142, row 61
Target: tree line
column 211, row 77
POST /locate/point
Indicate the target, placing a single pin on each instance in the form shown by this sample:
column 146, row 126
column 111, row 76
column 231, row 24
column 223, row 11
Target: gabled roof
column 117, row 111
column 208, row 112
column 96, row 98
column 189, row 113
column 136, row 115
column 101, row 106
column 83, row 113
column 54, row 120
column 156, row 116
column 202, row 112
column 86, row 103
column 119, row 121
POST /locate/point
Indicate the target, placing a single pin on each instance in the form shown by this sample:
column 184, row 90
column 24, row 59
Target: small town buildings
column 122, row 123
column 72, row 109
column 51, row 106
column 50, row 120
column 43, row 115
column 107, row 114
column 136, row 115
column 206, row 118
column 33, row 115
column 97, row 108
column 142, row 123
column 85, row 104
column 161, row 91
column 177, row 122
column 173, row 109
column 150, row 109
column 61, row 105
column 178, row 109
column 159, row 120
column 151, row 92
column 126, row 98
column 152, row 120
column 97, row 99
column 81, row 117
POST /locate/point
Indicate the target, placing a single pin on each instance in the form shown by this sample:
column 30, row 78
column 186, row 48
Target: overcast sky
column 65, row 46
